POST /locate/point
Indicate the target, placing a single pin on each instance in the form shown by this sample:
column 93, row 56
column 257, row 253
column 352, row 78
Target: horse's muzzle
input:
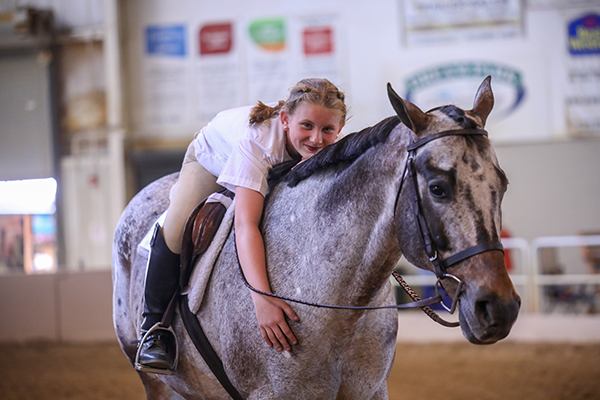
column 488, row 318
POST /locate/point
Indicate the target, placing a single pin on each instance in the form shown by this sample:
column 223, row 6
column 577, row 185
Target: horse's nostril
column 483, row 310
column 495, row 312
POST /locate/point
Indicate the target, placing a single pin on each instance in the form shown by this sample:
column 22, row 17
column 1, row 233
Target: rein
column 440, row 265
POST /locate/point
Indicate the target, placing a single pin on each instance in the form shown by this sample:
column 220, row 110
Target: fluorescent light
column 32, row 196
column 43, row 262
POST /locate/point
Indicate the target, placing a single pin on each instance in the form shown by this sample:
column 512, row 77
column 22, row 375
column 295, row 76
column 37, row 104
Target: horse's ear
column 484, row 100
column 410, row 115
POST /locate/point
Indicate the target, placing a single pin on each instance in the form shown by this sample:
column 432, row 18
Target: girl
column 236, row 150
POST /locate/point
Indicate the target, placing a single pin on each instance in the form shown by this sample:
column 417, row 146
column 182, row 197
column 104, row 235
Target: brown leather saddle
column 200, row 229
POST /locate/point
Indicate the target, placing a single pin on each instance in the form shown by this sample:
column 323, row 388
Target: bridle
column 440, row 265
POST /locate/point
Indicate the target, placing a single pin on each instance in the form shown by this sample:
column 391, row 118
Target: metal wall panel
column 26, row 142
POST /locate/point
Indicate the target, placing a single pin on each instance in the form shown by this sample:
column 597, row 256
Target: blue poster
column 584, row 35
column 166, row 40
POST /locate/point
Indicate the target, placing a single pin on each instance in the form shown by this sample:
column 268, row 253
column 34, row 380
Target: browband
column 457, row 132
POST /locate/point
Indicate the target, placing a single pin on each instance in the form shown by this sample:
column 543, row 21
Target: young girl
column 236, row 150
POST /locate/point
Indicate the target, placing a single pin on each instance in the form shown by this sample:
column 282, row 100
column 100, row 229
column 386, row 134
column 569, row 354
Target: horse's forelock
column 459, row 117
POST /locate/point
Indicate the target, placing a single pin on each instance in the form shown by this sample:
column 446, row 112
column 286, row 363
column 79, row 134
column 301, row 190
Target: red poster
column 318, row 40
column 216, row 38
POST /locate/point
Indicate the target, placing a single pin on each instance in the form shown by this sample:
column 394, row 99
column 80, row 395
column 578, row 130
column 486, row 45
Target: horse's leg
column 157, row 389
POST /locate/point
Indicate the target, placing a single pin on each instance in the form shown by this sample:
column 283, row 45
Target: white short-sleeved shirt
column 240, row 154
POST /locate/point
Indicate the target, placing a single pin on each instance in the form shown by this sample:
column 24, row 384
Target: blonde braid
column 262, row 112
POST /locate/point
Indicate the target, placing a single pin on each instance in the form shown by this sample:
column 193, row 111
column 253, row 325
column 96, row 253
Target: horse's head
column 460, row 187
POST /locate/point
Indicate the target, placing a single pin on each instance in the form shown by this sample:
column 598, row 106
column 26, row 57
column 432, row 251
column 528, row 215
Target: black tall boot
column 158, row 348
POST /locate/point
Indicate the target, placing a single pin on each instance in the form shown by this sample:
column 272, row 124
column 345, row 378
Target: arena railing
column 527, row 273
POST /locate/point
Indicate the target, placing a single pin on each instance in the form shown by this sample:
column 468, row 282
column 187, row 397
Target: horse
column 334, row 228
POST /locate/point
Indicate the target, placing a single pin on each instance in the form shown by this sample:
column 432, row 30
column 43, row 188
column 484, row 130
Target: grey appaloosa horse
column 334, row 228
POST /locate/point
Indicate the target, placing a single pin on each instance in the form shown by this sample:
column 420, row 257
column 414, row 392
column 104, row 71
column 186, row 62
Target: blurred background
column 100, row 97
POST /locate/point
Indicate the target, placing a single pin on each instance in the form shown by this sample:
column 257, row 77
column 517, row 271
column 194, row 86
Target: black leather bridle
column 440, row 265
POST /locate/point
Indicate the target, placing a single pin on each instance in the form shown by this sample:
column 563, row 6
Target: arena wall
column 77, row 307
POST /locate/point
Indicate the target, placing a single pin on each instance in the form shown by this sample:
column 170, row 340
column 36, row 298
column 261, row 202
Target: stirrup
column 151, row 370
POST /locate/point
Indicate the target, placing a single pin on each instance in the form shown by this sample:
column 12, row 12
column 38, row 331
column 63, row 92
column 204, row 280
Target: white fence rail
column 527, row 274
column 540, row 279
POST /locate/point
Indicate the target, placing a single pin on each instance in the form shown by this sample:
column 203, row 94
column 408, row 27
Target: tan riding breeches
column 195, row 184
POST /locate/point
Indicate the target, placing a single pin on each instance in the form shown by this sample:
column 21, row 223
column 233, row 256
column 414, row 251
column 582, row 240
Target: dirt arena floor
column 506, row 371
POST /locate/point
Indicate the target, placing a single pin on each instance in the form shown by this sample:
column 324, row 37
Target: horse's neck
column 337, row 227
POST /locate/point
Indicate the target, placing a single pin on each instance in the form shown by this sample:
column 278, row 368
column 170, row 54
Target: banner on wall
column 439, row 21
column 269, row 59
column 321, row 53
column 217, row 71
column 582, row 84
column 192, row 71
column 453, row 82
column 166, row 75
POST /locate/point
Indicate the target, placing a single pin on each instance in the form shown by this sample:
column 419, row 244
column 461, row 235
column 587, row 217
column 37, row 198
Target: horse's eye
column 437, row 191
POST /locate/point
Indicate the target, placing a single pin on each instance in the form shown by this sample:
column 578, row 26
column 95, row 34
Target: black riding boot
column 158, row 350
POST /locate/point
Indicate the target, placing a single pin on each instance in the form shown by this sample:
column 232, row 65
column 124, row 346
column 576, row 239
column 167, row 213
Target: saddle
column 200, row 229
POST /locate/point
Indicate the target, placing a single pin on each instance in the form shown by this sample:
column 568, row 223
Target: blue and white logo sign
column 584, row 35
column 166, row 40
column 455, row 83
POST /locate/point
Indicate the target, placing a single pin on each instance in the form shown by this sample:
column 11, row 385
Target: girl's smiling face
column 310, row 128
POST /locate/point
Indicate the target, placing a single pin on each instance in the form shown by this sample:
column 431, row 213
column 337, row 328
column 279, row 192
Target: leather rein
column 439, row 265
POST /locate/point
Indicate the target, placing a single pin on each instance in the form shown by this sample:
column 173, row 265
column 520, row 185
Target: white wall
column 373, row 47
column 554, row 188
column 554, row 184
column 56, row 307
column 554, row 177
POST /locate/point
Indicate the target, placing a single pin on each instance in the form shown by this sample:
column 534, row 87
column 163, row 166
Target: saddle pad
column 203, row 269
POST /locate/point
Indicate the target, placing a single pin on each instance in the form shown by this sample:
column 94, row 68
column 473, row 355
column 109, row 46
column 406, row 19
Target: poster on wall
column 270, row 66
column 219, row 85
column 321, row 47
column 453, row 83
column 166, row 93
column 582, row 83
column 439, row 21
column 448, row 79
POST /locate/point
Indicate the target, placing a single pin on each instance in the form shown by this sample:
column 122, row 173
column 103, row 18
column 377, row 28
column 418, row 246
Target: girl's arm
column 251, row 250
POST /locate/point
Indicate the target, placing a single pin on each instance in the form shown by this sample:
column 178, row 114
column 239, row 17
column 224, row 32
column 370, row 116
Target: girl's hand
column 271, row 313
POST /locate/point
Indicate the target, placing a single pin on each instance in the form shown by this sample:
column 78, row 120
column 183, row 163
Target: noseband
column 440, row 265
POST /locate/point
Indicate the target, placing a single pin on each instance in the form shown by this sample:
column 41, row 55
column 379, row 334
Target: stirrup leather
column 151, row 370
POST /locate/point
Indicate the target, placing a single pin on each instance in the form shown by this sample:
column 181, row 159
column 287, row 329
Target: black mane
column 345, row 150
